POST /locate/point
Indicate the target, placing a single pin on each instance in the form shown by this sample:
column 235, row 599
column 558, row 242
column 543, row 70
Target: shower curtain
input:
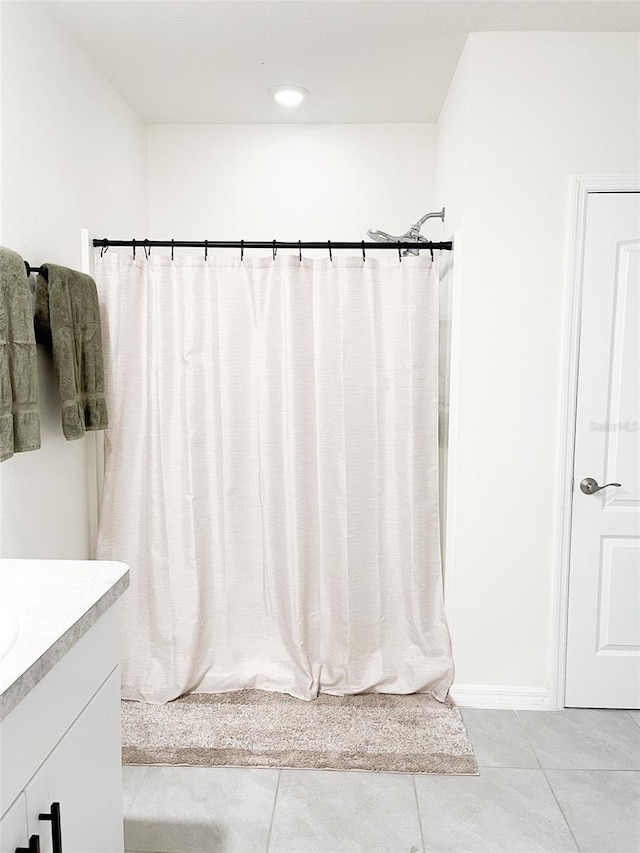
column 271, row 474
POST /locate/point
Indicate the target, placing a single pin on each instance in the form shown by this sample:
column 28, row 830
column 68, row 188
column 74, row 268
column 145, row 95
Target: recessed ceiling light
column 289, row 96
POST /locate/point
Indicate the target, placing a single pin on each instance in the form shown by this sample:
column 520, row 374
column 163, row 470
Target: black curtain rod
column 105, row 243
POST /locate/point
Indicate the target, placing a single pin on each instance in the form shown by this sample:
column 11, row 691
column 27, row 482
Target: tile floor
column 549, row 781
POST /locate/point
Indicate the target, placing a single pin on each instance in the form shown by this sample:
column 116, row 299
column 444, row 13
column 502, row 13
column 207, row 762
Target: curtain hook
column 206, row 249
column 300, row 250
column 241, row 251
column 431, row 250
column 330, row 252
column 275, row 251
column 399, row 253
column 104, row 247
column 364, row 257
column 133, row 243
column 147, row 249
column 172, row 247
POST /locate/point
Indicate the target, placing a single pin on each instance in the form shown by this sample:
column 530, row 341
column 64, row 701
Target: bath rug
column 254, row 728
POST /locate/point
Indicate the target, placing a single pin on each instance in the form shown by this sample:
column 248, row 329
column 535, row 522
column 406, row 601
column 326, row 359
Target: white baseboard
column 501, row 696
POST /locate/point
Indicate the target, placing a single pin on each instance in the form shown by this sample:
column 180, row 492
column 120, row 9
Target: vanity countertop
column 55, row 603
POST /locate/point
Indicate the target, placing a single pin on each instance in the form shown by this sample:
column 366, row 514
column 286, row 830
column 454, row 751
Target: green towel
column 68, row 321
column 19, row 418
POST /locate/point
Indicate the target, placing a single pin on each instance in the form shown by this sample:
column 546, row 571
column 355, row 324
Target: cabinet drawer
column 34, row 727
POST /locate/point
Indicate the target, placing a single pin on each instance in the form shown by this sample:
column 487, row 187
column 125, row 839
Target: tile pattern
column 583, row 739
column 131, row 780
column 601, row 806
column 499, row 739
column 345, row 811
column 551, row 781
column 506, row 810
column 198, row 809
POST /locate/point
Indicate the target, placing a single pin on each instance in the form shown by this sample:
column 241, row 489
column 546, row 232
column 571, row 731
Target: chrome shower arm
column 420, row 222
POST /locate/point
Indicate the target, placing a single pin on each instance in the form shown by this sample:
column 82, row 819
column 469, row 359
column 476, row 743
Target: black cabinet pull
column 56, row 827
column 34, row 846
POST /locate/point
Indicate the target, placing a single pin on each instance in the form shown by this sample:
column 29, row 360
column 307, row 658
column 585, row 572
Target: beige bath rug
column 252, row 728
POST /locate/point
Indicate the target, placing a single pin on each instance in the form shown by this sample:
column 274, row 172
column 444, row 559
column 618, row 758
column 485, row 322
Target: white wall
column 524, row 112
column 290, row 182
column 452, row 147
column 73, row 156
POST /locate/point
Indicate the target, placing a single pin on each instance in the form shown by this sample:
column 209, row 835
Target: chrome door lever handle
column 589, row 486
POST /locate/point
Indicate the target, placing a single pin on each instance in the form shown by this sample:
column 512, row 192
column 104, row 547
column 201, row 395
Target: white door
column 83, row 776
column 603, row 645
column 13, row 827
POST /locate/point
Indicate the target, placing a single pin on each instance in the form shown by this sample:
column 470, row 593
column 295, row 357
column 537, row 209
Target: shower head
column 411, row 236
column 382, row 236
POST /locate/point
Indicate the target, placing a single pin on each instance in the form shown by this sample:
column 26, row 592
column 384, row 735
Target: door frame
column 581, row 186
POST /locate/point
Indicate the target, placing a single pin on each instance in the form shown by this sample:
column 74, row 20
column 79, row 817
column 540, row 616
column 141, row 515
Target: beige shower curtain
column 271, row 474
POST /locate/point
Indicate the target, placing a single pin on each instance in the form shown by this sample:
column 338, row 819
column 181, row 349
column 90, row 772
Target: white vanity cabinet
column 60, row 748
column 13, row 826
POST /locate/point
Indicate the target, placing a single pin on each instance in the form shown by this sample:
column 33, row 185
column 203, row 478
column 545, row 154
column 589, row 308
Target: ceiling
column 177, row 61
